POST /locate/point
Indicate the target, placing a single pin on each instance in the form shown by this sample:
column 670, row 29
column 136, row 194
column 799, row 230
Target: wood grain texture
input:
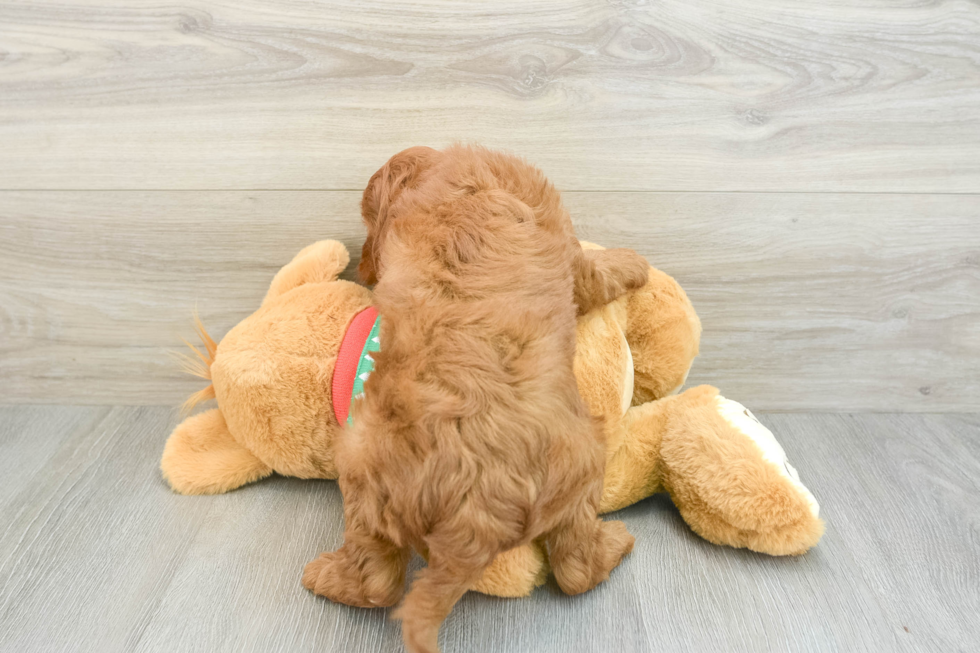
column 91, row 538
column 855, row 95
column 96, row 553
column 827, row 302
column 907, row 492
column 809, row 301
column 98, row 288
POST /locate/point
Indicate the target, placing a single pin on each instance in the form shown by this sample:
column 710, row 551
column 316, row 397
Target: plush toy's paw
column 730, row 478
column 742, row 419
column 336, row 576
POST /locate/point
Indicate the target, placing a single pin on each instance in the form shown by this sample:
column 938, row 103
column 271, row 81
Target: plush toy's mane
column 199, row 367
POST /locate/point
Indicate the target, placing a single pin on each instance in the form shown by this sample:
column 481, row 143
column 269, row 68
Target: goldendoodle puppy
column 471, row 438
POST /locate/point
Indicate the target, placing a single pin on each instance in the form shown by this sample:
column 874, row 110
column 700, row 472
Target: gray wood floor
column 96, row 554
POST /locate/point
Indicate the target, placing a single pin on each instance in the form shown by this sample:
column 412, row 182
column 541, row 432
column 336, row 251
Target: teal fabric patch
column 365, row 366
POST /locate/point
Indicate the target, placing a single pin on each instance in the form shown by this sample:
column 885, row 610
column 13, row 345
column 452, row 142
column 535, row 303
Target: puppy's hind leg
column 368, row 571
column 602, row 275
column 584, row 549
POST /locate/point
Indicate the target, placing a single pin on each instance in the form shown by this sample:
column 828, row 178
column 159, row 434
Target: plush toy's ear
column 400, row 172
column 324, row 260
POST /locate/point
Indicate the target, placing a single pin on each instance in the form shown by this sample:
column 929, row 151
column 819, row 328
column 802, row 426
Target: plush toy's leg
column 516, row 572
column 663, row 332
column 202, row 457
column 633, row 471
column 322, row 261
column 730, row 478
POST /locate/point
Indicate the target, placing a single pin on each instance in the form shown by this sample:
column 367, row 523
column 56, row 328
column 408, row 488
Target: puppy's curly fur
column 472, row 438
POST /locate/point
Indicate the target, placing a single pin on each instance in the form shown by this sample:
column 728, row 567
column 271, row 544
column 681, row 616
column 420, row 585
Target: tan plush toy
column 277, row 374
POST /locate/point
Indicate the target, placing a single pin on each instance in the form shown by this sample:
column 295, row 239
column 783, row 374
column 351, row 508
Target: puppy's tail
column 201, row 366
column 435, row 591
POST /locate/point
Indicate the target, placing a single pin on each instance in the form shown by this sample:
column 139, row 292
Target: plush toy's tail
column 200, row 367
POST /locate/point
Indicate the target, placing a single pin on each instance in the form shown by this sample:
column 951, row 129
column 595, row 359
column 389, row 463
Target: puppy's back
column 472, row 438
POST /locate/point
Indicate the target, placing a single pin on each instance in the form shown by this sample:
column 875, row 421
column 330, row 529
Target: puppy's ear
column 400, row 172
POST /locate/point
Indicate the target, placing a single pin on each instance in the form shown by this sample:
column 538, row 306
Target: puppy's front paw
column 632, row 267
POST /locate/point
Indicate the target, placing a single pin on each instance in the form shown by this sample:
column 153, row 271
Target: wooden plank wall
column 809, row 172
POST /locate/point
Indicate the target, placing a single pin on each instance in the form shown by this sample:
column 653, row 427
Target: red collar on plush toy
column 354, row 362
